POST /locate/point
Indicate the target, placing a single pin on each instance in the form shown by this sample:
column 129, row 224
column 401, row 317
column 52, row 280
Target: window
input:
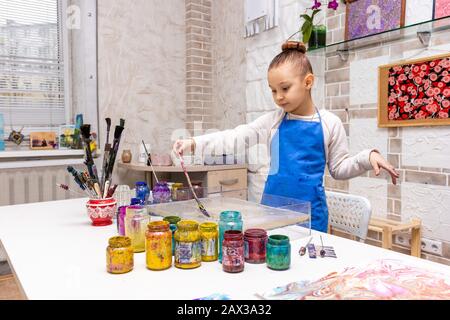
column 32, row 71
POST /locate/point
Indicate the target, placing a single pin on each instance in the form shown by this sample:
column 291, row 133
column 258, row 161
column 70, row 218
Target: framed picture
column 441, row 8
column 415, row 92
column 366, row 17
column 42, row 140
column 66, row 136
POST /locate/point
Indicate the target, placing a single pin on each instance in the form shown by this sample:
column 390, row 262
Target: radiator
column 29, row 185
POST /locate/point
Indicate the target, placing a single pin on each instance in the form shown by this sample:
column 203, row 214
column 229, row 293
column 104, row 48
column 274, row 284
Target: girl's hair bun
column 294, row 45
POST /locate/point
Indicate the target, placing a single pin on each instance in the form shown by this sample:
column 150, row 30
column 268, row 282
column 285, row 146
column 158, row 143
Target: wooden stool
column 388, row 228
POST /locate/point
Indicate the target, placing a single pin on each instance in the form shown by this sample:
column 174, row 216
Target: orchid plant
column 308, row 25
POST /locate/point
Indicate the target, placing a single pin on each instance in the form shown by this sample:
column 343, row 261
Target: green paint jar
column 278, row 253
column 173, row 220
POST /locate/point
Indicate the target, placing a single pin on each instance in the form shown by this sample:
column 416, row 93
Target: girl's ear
column 309, row 81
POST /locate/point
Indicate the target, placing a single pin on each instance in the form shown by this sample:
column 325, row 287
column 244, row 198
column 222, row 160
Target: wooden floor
column 9, row 290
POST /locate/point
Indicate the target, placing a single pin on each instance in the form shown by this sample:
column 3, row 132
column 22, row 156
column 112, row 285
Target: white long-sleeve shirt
column 257, row 137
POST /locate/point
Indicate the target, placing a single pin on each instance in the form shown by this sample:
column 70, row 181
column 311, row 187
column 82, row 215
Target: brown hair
column 293, row 52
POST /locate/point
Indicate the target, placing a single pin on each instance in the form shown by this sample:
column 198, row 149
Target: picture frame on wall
column 441, row 9
column 415, row 92
column 43, row 140
column 368, row 17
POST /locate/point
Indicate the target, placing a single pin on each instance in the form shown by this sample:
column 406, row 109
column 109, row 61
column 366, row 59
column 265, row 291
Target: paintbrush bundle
column 94, row 186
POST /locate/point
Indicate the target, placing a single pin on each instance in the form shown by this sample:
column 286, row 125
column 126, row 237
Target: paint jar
column 173, row 220
column 233, row 251
column 136, row 220
column 158, row 245
column 119, row 255
column 229, row 220
column 121, row 220
column 255, row 241
column 161, row 192
column 278, row 256
column 142, row 192
column 188, row 251
column 175, row 187
column 210, row 238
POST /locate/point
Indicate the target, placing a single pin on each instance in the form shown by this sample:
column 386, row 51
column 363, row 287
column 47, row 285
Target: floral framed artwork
column 441, row 8
column 367, row 17
column 415, row 92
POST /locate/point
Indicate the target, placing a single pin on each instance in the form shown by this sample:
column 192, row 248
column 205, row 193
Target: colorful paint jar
column 233, row 251
column 188, row 251
column 161, row 192
column 158, row 246
column 119, row 255
column 121, row 220
column 278, row 255
column 210, row 238
column 175, row 187
column 255, row 241
column 136, row 221
column 229, row 220
column 173, row 220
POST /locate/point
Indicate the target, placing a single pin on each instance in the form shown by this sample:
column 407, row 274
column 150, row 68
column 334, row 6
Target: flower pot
column 318, row 37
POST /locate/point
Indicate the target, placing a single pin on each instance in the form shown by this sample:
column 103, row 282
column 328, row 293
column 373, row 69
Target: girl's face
column 290, row 90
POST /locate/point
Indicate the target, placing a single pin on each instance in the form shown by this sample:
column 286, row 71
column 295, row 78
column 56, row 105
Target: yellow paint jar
column 210, row 238
column 119, row 255
column 188, row 252
column 158, row 246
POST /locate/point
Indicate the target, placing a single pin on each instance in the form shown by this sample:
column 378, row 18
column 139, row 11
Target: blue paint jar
column 173, row 220
column 142, row 192
column 229, row 220
column 278, row 253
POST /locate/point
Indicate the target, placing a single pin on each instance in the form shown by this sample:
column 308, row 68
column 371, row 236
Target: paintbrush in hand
column 199, row 204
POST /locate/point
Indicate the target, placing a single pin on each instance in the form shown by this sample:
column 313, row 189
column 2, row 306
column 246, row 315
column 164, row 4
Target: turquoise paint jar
column 278, row 255
column 173, row 220
column 229, row 220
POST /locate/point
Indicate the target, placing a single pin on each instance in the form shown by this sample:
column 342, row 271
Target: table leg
column 415, row 242
column 387, row 238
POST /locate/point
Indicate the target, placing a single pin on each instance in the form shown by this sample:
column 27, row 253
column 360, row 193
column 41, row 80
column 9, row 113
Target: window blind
column 31, row 64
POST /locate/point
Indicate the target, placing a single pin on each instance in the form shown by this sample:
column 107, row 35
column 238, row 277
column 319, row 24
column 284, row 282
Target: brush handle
column 106, row 189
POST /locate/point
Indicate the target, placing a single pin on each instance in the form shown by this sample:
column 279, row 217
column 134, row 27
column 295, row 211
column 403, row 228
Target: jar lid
column 135, row 201
column 233, row 235
column 255, row 233
column 135, row 209
column 188, row 225
column 208, row 226
column 172, row 219
column 141, row 183
column 230, row 215
column 119, row 242
column 278, row 239
column 158, row 225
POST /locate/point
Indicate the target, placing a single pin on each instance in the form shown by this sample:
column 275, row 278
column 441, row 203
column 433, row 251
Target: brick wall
column 199, row 65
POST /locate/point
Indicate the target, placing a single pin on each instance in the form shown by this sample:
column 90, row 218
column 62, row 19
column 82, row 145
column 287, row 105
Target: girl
column 300, row 139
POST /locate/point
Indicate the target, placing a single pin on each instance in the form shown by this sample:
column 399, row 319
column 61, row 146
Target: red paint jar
column 255, row 241
column 233, row 251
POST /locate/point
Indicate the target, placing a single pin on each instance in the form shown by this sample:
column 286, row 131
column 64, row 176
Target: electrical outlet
column 402, row 239
column 432, row 246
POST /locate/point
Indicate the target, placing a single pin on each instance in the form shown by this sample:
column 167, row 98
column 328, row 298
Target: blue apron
column 296, row 170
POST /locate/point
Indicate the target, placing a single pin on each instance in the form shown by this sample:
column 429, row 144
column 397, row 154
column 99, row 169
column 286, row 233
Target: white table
column 56, row 254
